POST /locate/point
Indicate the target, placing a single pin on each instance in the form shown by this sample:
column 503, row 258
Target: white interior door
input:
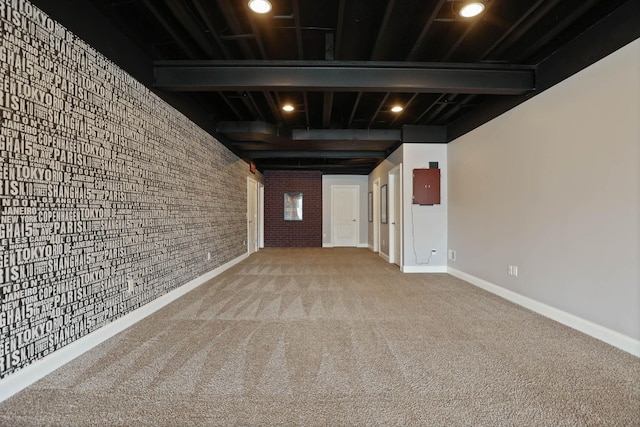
column 395, row 215
column 252, row 216
column 345, row 221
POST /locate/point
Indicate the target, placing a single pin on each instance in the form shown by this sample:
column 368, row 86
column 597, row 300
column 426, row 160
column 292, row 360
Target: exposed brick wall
column 277, row 231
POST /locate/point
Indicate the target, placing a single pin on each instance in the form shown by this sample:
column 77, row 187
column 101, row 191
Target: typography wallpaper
column 109, row 197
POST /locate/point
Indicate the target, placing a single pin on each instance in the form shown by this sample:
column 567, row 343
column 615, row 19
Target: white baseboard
column 384, row 256
column 424, row 269
column 40, row 368
column 359, row 245
column 616, row 339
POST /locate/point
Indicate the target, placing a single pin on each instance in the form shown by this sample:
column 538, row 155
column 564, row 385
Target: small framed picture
column 383, row 204
column 293, row 206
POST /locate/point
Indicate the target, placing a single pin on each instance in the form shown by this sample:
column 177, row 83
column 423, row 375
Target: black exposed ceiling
column 343, row 64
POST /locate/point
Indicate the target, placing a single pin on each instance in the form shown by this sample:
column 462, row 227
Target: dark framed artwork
column 293, row 206
column 383, row 204
column 370, row 206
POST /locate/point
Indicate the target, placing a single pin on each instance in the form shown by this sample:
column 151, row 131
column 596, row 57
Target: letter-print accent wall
column 103, row 183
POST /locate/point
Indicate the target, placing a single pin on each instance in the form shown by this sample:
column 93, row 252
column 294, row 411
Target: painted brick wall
column 277, row 231
column 102, row 183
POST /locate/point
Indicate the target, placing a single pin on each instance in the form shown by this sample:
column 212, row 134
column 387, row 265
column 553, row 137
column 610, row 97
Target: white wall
column 362, row 182
column 382, row 172
column 553, row 186
column 424, row 227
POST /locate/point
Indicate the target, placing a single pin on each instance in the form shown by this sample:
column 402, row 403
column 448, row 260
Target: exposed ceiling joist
column 188, row 76
column 336, row 64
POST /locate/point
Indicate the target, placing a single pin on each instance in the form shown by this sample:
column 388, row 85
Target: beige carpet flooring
column 330, row 337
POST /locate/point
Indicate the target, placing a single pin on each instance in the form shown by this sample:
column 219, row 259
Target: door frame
column 395, row 215
column 260, row 215
column 376, row 215
column 254, row 188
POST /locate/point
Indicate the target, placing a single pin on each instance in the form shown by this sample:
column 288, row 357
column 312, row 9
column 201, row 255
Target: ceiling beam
column 422, row 134
column 317, row 154
column 322, row 167
column 345, row 135
column 189, row 76
column 255, row 128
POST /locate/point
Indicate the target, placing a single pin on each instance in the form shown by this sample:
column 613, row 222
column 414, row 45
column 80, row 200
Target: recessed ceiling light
column 397, row 108
column 470, row 10
column 288, row 107
column 260, row 6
